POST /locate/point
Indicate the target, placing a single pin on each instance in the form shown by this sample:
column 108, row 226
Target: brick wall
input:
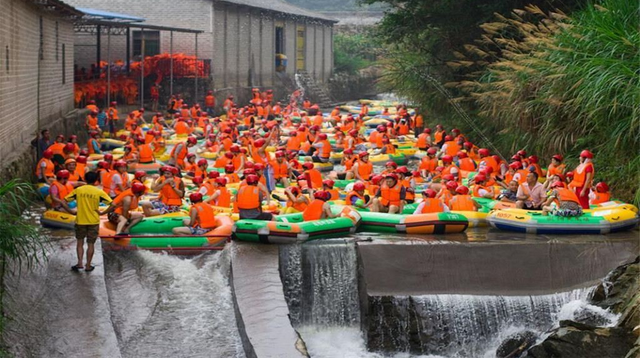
column 19, row 43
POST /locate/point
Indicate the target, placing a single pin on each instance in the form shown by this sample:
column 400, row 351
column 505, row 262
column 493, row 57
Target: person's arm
column 329, row 213
column 127, row 201
column 419, row 208
column 193, row 215
column 589, row 176
column 180, row 189
column 290, row 196
column 119, row 183
column 520, row 195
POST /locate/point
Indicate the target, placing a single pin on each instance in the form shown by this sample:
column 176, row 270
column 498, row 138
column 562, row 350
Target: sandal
column 76, row 268
column 89, row 269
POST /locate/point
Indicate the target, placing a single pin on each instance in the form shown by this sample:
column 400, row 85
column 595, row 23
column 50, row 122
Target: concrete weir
column 54, row 312
column 261, row 309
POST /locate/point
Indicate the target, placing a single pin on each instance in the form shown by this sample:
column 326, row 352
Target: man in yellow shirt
column 88, row 198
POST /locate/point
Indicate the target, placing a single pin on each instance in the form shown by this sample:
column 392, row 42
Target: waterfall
column 460, row 325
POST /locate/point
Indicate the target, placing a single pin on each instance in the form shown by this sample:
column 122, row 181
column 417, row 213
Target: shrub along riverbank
column 535, row 77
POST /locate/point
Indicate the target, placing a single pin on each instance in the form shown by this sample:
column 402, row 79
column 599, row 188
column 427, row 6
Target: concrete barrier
column 487, row 268
column 54, row 312
column 262, row 312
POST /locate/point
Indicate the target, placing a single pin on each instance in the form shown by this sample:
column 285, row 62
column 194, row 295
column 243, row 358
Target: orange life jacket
column 315, row 178
column 232, row 177
column 467, row 164
column 391, row 195
column 299, row 206
column 432, row 205
column 280, row 169
column 248, row 197
column 118, row 201
column 204, row 216
column 49, row 168
column 350, row 196
column 462, row 202
column 556, row 170
column 566, row 195
column 422, row 141
column 580, row 175
column 224, row 197
column 168, row 196
column 145, row 154
column 313, row 211
column 63, row 189
column 365, row 169
column 325, row 150
column 601, row 197
column 429, row 164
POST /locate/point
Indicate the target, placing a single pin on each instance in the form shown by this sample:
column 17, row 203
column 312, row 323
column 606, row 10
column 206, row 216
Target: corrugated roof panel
column 281, row 6
column 107, row 15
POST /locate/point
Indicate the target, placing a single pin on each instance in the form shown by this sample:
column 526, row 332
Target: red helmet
column 227, row 130
column 391, row 176
column 222, row 181
column 515, row 158
column 139, row 174
column 376, row 179
column 447, row 159
column 431, row 151
column 386, row 140
column 244, row 150
column 252, row 179
column 533, row 159
column 456, row 131
column 314, row 128
column 557, row 157
column 279, row 154
column 301, row 128
column 483, row 152
column 439, row 169
column 202, row 162
column 381, row 128
column 229, row 155
column 462, row 190
column 467, row 144
column 569, row 174
column 452, row 185
column 586, row 154
column 516, row 165
column 359, row 186
column 329, row 182
column 348, row 151
column 448, row 177
column 138, row 187
column 429, row 193
column 427, row 131
column 229, row 168
column 448, row 138
column 190, row 155
column 47, row 153
column 192, row 140
column 391, row 164
column 259, row 143
column 353, row 133
column 120, row 163
column 83, row 153
column 214, row 174
column 390, row 124
column 479, row 178
column 62, row 174
column 487, row 170
column 61, row 137
column 197, row 180
column 322, row 136
column 108, row 157
column 363, row 154
column 81, row 159
column 462, row 154
column 496, row 158
column 196, row 197
column 322, row 195
column 259, row 167
column 249, row 164
column 557, row 184
column 402, row 170
column 602, row 187
column 235, row 148
column 249, row 171
column 293, row 133
column 73, row 137
column 416, row 173
column 308, row 166
column 294, row 190
column 522, row 153
column 103, row 164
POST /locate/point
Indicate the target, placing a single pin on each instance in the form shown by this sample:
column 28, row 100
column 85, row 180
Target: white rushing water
column 168, row 306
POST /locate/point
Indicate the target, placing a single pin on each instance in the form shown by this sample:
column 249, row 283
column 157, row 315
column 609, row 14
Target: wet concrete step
column 54, row 312
column 262, row 312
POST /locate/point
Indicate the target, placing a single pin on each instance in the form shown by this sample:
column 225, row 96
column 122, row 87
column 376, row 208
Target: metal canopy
column 120, row 28
column 107, row 15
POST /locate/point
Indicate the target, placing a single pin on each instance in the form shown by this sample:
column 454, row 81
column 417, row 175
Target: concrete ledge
column 260, row 306
column 54, row 312
column 507, row 268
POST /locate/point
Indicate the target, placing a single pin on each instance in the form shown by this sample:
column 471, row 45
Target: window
column 64, row 65
column 6, row 58
column 279, row 40
column 57, row 41
column 152, row 43
column 40, row 49
column 301, row 47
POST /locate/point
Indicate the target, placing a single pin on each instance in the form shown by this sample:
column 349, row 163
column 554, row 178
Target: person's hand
column 583, row 192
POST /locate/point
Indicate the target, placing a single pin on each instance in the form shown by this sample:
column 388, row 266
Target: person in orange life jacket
column 319, row 207
column 402, row 128
column 416, row 179
column 522, row 157
column 119, row 180
column 81, row 167
column 450, row 146
column 599, row 194
column 423, row 139
column 480, row 189
column 556, row 166
column 180, row 151
column 206, row 188
column 140, row 177
column 281, row 169
column 296, row 201
column 362, row 169
column 248, row 200
column 389, row 167
column 351, row 141
column 91, row 122
column 328, row 186
column 348, row 160
column 129, row 156
column 533, row 162
column 390, row 197
column 516, row 173
column 429, row 163
column 438, row 136
column 190, row 166
column 120, row 211
column 462, row 201
column 323, row 149
column 465, row 163
column 531, row 194
column 73, row 139
column 313, row 176
column 404, row 174
column 430, row 204
column 388, row 147
column 58, row 190
column 357, row 196
column 375, row 138
column 562, row 202
column 231, row 175
column 75, row 178
column 583, row 177
column 172, row 190
column 450, row 168
column 553, row 179
column 201, row 219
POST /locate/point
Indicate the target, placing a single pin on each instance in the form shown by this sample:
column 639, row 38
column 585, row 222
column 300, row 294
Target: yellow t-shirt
column 88, row 199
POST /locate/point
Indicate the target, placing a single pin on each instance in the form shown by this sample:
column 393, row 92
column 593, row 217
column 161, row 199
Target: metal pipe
column 171, row 63
column 98, row 29
column 196, row 67
column 142, row 65
column 127, row 49
column 109, row 67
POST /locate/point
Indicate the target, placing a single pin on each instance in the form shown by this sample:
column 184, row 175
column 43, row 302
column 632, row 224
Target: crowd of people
column 258, row 146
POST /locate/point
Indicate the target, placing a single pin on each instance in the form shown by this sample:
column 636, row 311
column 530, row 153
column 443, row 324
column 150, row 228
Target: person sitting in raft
column 180, row 151
column 120, row 211
column 562, row 202
column 201, row 218
column 323, row 149
column 281, row 169
column 509, row 194
column 390, row 197
column 480, row 188
column 362, row 168
column 429, row 163
column 531, row 194
column 230, row 174
column 388, row 147
column 58, row 190
column 357, row 197
column 328, row 185
column 599, row 194
column 556, row 167
column 249, row 198
column 296, row 202
column 462, row 201
column 319, row 207
column 171, row 191
column 45, row 167
column 221, row 196
column 431, row 204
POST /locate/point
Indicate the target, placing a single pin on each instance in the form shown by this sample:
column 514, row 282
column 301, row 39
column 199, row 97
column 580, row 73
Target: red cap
column 192, row 140
column 558, row 157
column 391, row 164
column 452, row 185
column 447, row 159
column 462, row 154
column 229, row 168
column 308, row 166
column 81, row 159
column 202, row 162
column 479, row 178
column 586, row 154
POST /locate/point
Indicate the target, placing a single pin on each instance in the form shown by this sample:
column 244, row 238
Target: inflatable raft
column 109, row 144
column 155, row 233
column 292, row 228
column 55, row 219
column 598, row 221
column 430, row 223
column 148, row 168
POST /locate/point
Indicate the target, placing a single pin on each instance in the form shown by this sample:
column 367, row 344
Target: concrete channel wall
column 260, row 305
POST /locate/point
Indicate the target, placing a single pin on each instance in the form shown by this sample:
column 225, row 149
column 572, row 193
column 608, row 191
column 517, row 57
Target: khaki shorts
column 89, row 231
